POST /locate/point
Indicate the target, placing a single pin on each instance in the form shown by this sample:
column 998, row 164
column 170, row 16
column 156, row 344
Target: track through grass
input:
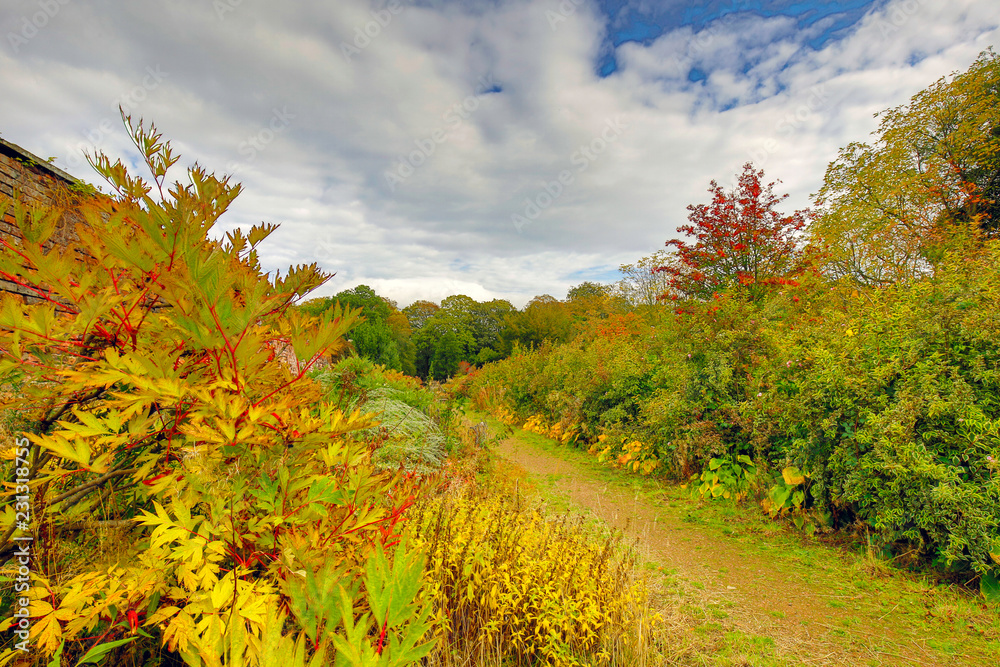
column 758, row 592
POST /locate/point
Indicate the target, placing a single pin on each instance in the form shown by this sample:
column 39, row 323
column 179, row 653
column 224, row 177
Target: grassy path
column 758, row 593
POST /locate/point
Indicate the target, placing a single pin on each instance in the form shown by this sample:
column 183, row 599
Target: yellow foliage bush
column 548, row 591
column 631, row 454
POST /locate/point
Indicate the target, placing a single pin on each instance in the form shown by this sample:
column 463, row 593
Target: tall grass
column 513, row 586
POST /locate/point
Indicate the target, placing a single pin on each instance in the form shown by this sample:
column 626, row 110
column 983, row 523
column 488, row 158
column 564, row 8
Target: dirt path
column 810, row 620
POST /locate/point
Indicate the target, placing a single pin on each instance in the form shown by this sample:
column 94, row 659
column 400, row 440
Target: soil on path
column 792, row 607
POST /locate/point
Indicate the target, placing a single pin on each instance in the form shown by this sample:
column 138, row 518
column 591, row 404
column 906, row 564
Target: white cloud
column 422, row 77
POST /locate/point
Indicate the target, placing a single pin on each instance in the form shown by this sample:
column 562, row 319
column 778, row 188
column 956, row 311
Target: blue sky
column 494, row 148
column 644, row 22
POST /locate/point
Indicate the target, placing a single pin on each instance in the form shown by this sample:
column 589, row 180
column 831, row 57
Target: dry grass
column 514, row 586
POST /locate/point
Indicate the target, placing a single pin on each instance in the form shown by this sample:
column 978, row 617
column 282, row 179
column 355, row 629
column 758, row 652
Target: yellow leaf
column 255, row 610
column 792, row 476
column 102, row 463
column 64, row 614
column 47, row 633
column 228, row 430
column 39, row 608
column 178, row 632
column 161, row 614
column 77, row 450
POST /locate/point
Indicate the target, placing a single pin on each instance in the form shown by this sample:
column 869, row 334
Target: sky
column 493, row 148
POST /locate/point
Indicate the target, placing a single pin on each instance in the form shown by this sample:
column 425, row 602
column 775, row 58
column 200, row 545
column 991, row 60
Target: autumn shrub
column 593, row 383
column 634, row 455
column 676, row 387
column 512, row 586
column 254, row 528
column 893, row 412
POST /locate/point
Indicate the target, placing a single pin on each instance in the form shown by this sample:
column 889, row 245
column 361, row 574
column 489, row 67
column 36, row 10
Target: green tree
column 374, row 338
column 443, row 341
column 641, row 284
column 373, row 306
column 419, row 312
column 448, row 352
column 478, row 333
column 488, row 324
column 930, row 175
column 544, row 318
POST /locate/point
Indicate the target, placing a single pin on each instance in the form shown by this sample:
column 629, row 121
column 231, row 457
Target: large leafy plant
column 149, row 373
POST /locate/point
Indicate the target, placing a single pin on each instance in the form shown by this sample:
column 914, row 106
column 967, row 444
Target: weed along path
column 753, row 592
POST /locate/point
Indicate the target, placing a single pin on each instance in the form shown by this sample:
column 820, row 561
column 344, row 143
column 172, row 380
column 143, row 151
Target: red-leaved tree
column 739, row 239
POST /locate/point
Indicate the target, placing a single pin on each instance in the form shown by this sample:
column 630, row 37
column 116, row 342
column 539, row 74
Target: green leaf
column 95, row 654
column 989, row 586
column 57, row 656
column 780, row 494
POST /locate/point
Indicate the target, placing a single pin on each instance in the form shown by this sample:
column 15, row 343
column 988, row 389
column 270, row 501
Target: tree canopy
column 931, row 171
column 739, row 239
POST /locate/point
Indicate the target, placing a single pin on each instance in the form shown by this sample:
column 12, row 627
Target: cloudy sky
column 495, row 148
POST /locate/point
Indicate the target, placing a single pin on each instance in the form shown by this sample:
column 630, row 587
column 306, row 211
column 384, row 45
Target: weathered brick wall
column 35, row 182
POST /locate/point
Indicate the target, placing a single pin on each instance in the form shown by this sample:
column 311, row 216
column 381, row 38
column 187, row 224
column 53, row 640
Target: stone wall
column 36, row 183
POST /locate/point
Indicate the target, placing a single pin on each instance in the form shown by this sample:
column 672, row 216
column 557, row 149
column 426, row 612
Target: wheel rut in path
column 761, row 599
